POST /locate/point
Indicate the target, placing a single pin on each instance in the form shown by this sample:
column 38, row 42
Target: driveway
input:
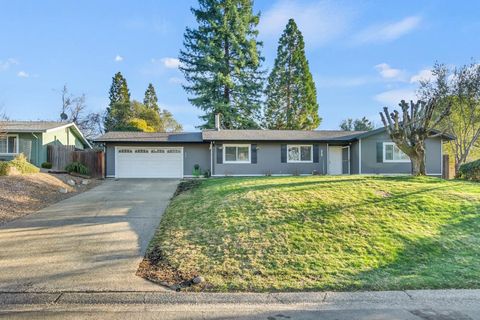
column 90, row 242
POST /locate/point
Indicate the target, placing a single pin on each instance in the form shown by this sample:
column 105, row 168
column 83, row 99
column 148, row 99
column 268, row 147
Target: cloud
column 118, row 58
column 319, row 22
column 170, row 63
column 392, row 98
column 4, row 65
column 23, row 74
column 387, row 72
column 422, row 75
column 388, row 32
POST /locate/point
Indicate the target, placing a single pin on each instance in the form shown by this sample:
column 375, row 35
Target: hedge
column 470, row 171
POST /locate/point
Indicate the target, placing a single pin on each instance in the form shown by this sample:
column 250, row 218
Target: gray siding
column 354, row 157
column 194, row 153
column 371, row 166
column 269, row 161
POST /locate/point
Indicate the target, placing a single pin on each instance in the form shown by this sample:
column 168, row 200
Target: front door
column 338, row 160
column 334, row 160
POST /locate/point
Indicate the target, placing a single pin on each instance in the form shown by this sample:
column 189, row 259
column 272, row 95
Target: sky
column 363, row 55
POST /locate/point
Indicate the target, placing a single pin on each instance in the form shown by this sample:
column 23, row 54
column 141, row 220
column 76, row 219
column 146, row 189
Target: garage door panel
column 150, row 162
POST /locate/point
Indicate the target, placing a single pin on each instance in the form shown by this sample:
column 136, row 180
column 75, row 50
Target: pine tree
column 118, row 108
column 222, row 63
column 291, row 97
column 151, row 100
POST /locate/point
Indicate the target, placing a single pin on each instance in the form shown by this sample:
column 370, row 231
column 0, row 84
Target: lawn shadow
column 448, row 260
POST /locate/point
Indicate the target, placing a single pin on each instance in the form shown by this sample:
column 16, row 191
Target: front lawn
column 320, row 233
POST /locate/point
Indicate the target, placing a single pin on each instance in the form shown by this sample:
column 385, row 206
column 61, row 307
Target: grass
column 323, row 233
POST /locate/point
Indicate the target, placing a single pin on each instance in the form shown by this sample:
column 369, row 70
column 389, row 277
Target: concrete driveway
column 90, row 242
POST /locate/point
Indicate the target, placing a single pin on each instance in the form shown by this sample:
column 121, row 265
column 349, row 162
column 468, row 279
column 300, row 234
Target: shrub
column 196, row 171
column 470, row 171
column 76, row 167
column 207, row 173
column 20, row 163
column 47, row 165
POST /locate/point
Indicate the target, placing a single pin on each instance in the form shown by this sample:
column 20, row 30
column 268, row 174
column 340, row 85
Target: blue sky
column 363, row 54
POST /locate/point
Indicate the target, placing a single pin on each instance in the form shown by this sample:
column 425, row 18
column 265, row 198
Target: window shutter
column 219, row 154
column 379, row 152
column 283, row 153
column 315, row 153
column 253, row 156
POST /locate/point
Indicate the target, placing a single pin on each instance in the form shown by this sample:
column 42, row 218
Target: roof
column 30, row 126
column 443, row 135
column 280, row 135
column 40, row 127
column 241, row 135
column 135, row 136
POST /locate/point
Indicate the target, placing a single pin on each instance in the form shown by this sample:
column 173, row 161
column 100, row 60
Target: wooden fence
column 60, row 156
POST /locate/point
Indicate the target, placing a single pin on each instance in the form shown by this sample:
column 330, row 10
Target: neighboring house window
column 236, row 153
column 8, row 144
column 391, row 153
column 299, row 153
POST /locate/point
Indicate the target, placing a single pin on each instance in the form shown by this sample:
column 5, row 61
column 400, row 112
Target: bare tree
column 410, row 129
column 461, row 88
column 74, row 109
column 3, row 118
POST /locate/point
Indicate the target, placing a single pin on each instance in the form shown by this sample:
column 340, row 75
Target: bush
column 47, row 165
column 196, row 171
column 470, row 171
column 76, row 167
column 20, row 163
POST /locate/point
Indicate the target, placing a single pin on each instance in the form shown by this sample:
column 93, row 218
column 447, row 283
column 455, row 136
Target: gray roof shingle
column 280, row 135
column 133, row 136
column 30, row 126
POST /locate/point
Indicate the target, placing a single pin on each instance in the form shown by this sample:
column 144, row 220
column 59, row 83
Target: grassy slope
column 326, row 233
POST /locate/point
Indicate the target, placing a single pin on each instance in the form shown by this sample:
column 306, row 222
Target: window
column 125, row 151
column 299, row 153
column 8, row 145
column 391, row 153
column 141, row 150
column 236, row 153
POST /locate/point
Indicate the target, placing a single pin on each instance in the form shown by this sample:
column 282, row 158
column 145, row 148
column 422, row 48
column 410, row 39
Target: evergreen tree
column 222, row 63
column 291, row 97
column 151, row 100
column 362, row 124
column 118, row 108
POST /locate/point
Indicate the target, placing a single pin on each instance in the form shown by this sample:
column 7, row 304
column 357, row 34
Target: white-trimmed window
column 236, row 153
column 9, row 144
column 391, row 153
column 299, row 153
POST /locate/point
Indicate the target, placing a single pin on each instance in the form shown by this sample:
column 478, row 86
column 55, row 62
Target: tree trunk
column 418, row 164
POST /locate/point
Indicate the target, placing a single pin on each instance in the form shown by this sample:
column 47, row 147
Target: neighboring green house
column 32, row 138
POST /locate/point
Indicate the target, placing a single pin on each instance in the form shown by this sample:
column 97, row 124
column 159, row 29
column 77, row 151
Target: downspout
column 37, row 146
column 211, row 158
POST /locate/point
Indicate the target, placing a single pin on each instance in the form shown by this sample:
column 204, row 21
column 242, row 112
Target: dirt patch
column 24, row 194
column 187, row 185
column 383, row 194
column 156, row 269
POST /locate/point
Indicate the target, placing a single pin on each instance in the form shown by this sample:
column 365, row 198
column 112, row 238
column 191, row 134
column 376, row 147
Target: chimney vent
column 217, row 121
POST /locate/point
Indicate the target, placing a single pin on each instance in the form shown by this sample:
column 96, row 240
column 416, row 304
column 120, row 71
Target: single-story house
column 32, row 138
column 260, row 152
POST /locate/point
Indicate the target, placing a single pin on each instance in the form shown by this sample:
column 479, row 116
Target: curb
column 288, row 298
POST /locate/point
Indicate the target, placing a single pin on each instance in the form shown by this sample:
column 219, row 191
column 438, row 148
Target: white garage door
column 148, row 162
